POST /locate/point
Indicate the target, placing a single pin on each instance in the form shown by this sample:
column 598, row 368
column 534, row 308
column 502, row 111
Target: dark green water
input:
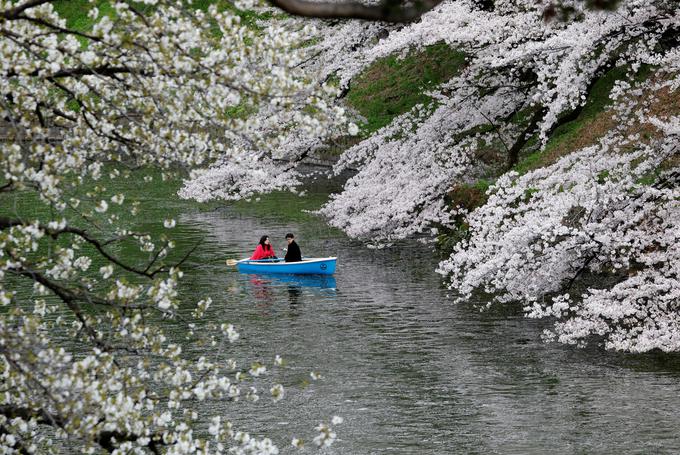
column 410, row 372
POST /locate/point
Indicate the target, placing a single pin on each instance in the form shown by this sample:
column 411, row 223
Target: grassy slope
column 75, row 12
column 392, row 86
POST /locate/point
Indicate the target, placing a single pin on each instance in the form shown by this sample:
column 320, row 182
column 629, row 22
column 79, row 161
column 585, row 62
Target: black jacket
column 293, row 254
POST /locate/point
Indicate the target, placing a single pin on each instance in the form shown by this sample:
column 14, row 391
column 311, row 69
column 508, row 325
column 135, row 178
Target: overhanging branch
column 6, row 223
column 103, row 70
column 106, row 439
column 388, row 11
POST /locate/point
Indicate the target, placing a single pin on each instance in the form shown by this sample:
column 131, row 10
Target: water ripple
column 412, row 373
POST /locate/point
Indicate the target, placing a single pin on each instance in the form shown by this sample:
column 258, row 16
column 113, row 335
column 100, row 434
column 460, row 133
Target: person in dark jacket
column 293, row 254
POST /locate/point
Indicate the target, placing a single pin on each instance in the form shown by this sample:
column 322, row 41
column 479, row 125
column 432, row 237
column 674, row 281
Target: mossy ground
column 392, row 85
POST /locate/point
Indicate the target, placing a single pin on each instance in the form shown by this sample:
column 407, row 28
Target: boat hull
column 310, row 266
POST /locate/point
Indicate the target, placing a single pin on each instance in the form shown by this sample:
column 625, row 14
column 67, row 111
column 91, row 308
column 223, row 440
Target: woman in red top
column 264, row 249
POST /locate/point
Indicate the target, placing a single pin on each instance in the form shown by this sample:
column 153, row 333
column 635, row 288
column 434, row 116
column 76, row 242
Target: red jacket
column 261, row 253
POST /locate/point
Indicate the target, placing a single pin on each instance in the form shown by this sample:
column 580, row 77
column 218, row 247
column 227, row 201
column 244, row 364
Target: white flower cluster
column 396, row 194
column 84, row 363
column 590, row 213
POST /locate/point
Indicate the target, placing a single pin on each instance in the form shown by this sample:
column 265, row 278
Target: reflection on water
column 410, row 372
column 307, row 281
column 264, row 288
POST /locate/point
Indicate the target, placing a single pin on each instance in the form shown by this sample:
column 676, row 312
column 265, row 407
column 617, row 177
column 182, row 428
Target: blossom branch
column 15, row 12
column 6, row 223
column 106, row 439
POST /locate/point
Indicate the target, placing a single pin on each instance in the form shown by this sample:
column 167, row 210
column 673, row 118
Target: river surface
column 409, row 371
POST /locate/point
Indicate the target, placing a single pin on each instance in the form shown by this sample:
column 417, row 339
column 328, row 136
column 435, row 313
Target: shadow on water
column 267, row 288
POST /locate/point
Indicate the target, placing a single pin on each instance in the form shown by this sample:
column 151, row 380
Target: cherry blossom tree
column 84, row 362
column 533, row 241
column 590, row 214
column 608, row 210
column 408, row 11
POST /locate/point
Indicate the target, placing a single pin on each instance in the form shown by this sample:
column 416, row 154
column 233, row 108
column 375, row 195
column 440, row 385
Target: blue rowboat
column 308, row 266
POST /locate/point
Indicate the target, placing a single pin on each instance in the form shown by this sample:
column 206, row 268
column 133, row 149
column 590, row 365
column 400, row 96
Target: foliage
column 121, row 86
column 75, row 12
column 392, row 85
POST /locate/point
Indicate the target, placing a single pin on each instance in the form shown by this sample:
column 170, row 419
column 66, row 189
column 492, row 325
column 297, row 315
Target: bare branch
column 54, row 27
column 6, row 223
column 100, row 71
column 178, row 264
column 388, row 10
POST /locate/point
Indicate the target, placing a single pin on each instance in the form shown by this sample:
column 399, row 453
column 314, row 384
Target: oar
column 232, row 262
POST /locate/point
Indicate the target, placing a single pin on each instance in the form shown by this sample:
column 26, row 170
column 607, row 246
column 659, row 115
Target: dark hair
column 290, row 236
column 262, row 239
